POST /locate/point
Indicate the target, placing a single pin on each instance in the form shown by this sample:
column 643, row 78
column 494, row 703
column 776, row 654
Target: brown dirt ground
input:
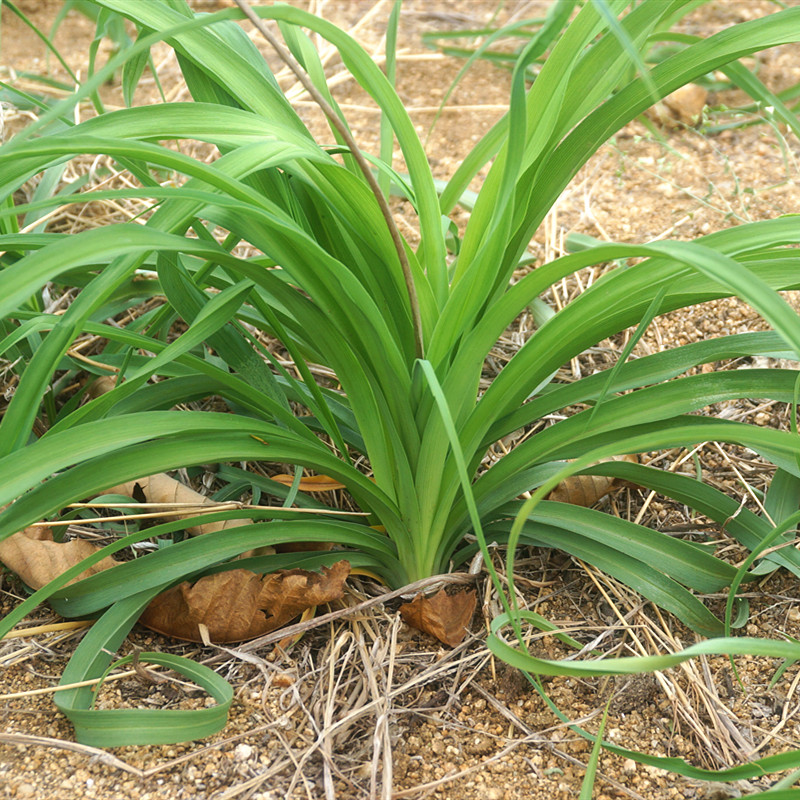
column 368, row 707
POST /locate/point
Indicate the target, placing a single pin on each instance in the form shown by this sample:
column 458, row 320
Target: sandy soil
column 310, row 722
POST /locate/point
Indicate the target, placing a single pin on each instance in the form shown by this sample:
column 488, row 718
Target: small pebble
column 242, row 752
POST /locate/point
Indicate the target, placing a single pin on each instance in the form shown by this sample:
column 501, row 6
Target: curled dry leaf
column 234, row 606
column 161, row 488
column 445, row 616
column 308, row 483
column 311, row 483
column 37, row 559
column 586, row 490
column 239, row 605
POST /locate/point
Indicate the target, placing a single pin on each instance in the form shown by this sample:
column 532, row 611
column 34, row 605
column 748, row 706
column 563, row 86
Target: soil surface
column 369, row 707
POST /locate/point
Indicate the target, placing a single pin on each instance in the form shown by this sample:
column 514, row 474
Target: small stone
column 683, row 107
column 26, row 790
column 687, row 103
column 242, row 752
column 629, row 766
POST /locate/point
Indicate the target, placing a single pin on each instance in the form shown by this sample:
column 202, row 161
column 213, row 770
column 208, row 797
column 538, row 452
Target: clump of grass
column 405, row 331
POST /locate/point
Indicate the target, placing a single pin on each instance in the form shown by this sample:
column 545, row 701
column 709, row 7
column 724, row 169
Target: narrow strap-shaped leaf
column 106, row 592
column 543, row 183
column 644, row 324
column 641, row 576
column 62, row 109
column 778, row 446
column 681, row 396
column 132, row 71
column 587, row 787
column 684, row 561
column 626, row 665
column 466, row 487
column 372, row 80
column 741, row 523
column 159, row 432
column 170, row 565
column 193, row 306
column 120, row 727
column 386, row 132
column 751, row 769
column 640, row 372
column 783, row 495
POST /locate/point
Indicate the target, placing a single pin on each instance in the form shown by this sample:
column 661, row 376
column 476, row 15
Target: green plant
column 405, row 331
column 536, row 36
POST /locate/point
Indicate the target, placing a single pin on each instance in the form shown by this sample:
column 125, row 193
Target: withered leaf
column 586, row 490
column 445, row 616
column 308, row 483
column 160, row 488
column 238, row 605
column 37, row 559
column 311, row 483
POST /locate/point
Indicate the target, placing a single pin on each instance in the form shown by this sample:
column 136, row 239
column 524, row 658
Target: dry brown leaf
column 310, row 483
column 238, row 605
column 161, row 488
column 37, row 559
column 445, row 616
column 233, row 606
column 586, row 490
